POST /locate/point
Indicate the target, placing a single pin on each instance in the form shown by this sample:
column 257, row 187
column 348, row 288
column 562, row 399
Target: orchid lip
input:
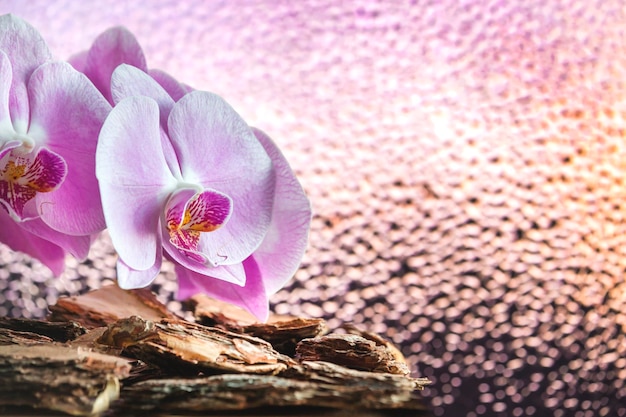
column 23, row 175
column 8, row 146
column 188, row 214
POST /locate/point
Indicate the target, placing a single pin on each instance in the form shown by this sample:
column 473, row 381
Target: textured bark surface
column 171, row 366
column 108, row 304
column 58, row 331
column 317, row 384
column 282, row 332
column 182, row 347
column 352, row 351
column 49, row 376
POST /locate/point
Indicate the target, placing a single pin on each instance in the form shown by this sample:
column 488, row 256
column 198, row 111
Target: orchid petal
column 175, row 89
column 234, row 274
column 134, row 180
column 128, row 278
column 14, row 236
column 26, row 51
column 6, row 75
column 77, row 246
column 251, row 297
column 112, row 48
column 280, row 254
column 79, row 61
column 129, row 81
column 13, row 198
column 217, row 150
column 66, row 115
column 133, row 222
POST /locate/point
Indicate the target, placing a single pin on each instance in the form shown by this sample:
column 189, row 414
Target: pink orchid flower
column 50, row 117
column 192, row 180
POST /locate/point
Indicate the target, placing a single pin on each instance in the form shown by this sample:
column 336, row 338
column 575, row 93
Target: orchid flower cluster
column 102, row 142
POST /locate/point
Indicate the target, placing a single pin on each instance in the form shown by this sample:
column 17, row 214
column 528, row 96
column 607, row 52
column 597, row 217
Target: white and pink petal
column 218, row 151
column 134, row 180
column 128, row 278
column 112, row 48
column 281, row 252
column 175, row 89
column 17, row 238
column 251, row 296
column 6, row 76
column 77, row 246
column 67, row 113
column 128, row 81
column 26, row 51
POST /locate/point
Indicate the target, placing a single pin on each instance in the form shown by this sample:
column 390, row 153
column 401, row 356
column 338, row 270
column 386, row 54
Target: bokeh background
column 465, row 160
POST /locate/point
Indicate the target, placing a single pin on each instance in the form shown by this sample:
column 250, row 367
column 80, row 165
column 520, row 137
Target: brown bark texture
column 115, row 352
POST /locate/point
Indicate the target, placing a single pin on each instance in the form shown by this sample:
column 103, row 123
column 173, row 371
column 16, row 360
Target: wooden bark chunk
column 181, row 367
column 400, row 360
column 352, row 351
column 57, row 331
column 284, row 335
column 56, row 377
column 281, row 331
column 216, row 313
column 107, row 305
column 318, row 384
column 178, row 345
column 16, row 337
column 320, row 371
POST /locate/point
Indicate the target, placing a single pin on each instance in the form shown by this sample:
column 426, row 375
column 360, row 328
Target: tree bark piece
column 176, row 345
column 107, row 305
column 57, row 331
column 215, row 313
column 352, row 351
column 284, row 335
column 282, row 332
column 400, row 361
column 315, row 384
column 288, row 366
column 16, row 337
column 61, row 378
